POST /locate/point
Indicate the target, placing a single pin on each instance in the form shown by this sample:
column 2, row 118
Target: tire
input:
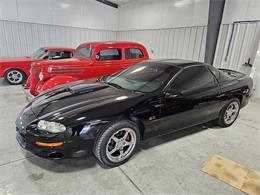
column 108, row 151
column 233, row 104
column 15, row 76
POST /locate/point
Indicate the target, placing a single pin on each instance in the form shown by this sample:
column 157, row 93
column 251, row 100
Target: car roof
column 114, row 43
column 59, row 48
column 178, row 62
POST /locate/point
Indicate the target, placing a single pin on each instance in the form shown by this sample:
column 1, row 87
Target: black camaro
column 109, row 117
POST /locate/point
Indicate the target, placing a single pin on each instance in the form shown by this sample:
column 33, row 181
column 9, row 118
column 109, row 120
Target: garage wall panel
column 74, row 13
column 183, row 43
column 236, row 44
column 20, row 38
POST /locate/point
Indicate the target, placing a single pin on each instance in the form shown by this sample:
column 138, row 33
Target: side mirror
column 97, row 57
column 170, row 94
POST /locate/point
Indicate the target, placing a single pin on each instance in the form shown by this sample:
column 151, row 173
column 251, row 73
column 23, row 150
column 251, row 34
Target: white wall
column 244, row 40
column 155, row 14
column 183, row 43
column 26, row 25
column 242, row 45
column 74, row 13
column 168, row 28
column 237, row 10
column 20, row 38
column 139, row 19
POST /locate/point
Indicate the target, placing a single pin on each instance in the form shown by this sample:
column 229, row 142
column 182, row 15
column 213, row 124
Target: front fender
column 55, row 81
column 89, row 130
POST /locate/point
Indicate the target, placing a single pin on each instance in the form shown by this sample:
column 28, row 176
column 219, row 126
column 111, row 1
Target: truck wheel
column 117, row 143
column 229, row 113
column 15, row 76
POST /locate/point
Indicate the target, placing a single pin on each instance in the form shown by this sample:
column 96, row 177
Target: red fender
column 55, row 81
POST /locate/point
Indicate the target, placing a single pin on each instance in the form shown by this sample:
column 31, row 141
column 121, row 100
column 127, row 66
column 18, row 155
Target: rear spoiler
column 232, row 73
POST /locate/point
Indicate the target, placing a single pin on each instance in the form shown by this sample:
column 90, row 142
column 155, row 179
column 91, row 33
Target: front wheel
column 229, row 113
column 15, row 77
column 117, row 143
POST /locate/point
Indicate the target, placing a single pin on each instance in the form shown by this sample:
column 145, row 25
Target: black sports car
column 109, row 117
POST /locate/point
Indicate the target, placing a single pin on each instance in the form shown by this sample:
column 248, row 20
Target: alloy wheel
column 120, row 145
column 231, row 112
column 15, row 77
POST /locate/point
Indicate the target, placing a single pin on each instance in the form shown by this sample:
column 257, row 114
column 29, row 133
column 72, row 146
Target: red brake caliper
column 128, row 138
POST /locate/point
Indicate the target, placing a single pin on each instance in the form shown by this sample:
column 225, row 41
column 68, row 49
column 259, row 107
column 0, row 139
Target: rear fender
column 55, row 81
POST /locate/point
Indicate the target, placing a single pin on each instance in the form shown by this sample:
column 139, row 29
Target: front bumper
column 72, row 147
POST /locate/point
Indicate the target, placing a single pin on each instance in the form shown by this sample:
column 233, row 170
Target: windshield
column 144, row 77
column 39, row 54
column 84, row 52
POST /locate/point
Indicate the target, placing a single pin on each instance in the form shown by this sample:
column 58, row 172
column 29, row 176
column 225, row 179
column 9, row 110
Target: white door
column 237, row 44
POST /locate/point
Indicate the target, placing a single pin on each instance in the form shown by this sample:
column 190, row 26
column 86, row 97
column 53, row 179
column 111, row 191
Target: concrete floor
column 165, row 165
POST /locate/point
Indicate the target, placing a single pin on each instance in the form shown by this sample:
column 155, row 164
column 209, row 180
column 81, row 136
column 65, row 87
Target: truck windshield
column 39, row 54
column 84, row 52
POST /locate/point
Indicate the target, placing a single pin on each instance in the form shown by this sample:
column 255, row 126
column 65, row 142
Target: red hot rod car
column 91, row 60
column 15, row 70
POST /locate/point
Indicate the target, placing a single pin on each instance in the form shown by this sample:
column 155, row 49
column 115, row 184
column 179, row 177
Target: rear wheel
column 229, row 113
column 15, row 77
column 117, row 143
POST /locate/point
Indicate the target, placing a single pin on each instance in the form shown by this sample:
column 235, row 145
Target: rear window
column 133, row 53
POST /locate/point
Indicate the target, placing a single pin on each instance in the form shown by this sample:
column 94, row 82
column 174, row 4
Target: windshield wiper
column 114, row 85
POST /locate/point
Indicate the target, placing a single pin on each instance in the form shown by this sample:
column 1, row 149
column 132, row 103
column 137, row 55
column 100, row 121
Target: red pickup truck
column 15, row 70
column 91, row 60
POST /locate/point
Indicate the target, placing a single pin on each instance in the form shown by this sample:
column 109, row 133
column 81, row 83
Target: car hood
column 82, row 100
column 69, row 61
column 16, row 59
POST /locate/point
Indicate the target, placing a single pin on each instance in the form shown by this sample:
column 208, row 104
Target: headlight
column 51, row 127
column 41, row 77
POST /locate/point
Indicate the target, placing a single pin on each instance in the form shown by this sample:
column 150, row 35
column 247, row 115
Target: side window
column 55, row 55
column 193, row 78
column 109, row 54
column 66, row 54
column 133, row 53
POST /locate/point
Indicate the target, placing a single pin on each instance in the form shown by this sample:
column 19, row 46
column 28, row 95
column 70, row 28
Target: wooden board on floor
column 234, row 174
column 252, row 183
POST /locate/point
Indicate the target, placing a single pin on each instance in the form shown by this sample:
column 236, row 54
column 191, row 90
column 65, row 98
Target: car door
column 107, row 61
column 192, row 99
